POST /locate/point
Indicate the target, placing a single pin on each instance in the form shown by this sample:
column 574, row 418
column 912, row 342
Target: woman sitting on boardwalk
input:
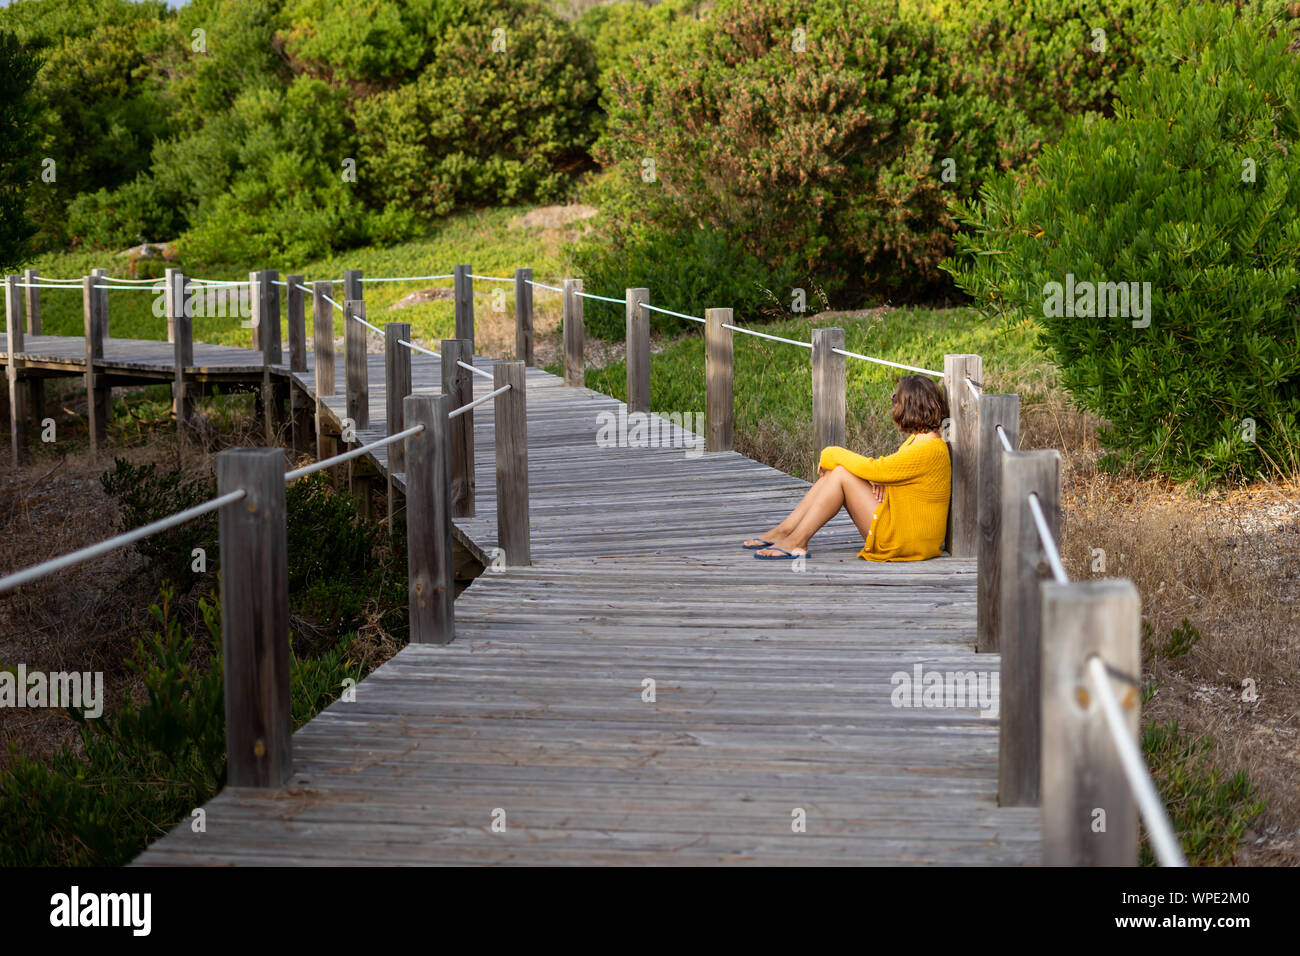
column 899, row 502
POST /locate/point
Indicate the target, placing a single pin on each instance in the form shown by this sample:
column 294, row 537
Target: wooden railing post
column 352, row 285
column 511, row 426
column 323, row 346
column 35, row 384
column 994, row 410
column 180, row 325
column 432, row 586
column 638, row 351
column 101, row 289
column 268, row 321
column 524, row 316
column 255, row 305
column 1023, row 566
column 575, row 373
column 458, row 386
column 33, row 300
column 301, row 407
column 963, row 509
column 17, row 412
column 1082, row 776
column 94, row 310
column 397, row 385
column 719, row 397
column 296, row 315
column 828, row 388
column 463, row 292
column 355, row 372
column 255, row 618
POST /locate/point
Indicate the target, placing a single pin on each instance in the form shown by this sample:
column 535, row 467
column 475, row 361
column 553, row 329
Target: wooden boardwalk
column 772, row 686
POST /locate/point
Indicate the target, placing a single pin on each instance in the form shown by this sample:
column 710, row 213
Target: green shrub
column 822, row 166
column 146, row 765
column 1194, row 189
column 479, row 125
column 1209, row 809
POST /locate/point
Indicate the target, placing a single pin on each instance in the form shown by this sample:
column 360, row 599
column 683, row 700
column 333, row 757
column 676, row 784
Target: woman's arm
column 903, row 465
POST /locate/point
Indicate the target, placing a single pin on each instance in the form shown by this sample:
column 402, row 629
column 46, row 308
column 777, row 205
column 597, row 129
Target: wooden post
column 524, row 316
column 33, row 300
column 352, row 285
column 575, row 372
column 169, row 286
column 102, row 289
column 323, row 346
column 511, row 413
column 994, row 410
column 269, row 320
column 428, row 521
column 35, row 384
column 180, row 325
column 94, row 311
column 638, row 351
column 463, row 290
column 458, row 386
column 296, row 312
column 963, row 509
column 397, row 385
column 255, row 618
column 255, row 305
column 17, row 412
column 355, row 373
column 1082, row 773
column 719, row 399
column 828, row 388
column 1023, row 566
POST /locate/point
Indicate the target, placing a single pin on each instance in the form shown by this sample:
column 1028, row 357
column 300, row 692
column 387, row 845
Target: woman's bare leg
column 834, row 490
column 792, row 520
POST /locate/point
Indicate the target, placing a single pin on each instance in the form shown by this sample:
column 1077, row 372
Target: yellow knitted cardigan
column 909, row 524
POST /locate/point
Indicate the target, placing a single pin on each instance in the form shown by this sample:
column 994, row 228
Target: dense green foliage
column 278, row 130
column 18, row 71
column 1193, row 188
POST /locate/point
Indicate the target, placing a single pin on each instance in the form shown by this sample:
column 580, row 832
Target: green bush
column 1192, row 192
column 146, row 765
column 818, row 167
column 1208, row 808
column 481, row 125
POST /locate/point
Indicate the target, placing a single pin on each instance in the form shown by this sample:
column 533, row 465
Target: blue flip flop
column 756, row 547
column 783, row 556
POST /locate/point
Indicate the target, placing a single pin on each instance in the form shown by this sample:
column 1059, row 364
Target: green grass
column 484, row 239
column 773, row 384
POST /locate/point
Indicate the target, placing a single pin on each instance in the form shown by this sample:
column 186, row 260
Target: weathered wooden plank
column 514, row 532
column 638, row 350
column 963, row 446
column 574, row 334
column 994, row 411
column 828, row 387
column 719, row 399
column 524, row 316
column 458, row 386
column 428, row 521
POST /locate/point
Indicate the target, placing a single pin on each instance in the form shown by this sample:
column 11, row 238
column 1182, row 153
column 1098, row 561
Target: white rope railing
column 477, row 402
column 419, row 348
column 27, row 575
column 880, row 361
column 403, row 278
column 1006, row 442
column 1049, row 543
column 680, row 315
column 1164, row 842
column 347, row 455
column 542, row 285
column 605, row 298
column 975, row 390
column 477, row 371
column 489, row 278
column 764, row 335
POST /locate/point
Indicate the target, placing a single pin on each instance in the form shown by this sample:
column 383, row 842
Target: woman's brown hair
column 918, row 405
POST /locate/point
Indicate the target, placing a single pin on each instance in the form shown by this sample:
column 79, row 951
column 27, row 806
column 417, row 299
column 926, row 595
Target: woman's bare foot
column 780, row 544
